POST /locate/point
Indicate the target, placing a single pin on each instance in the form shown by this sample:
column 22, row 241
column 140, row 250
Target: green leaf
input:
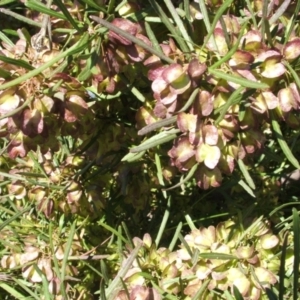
column 252, row 13
column 271, row 295
column 14, row 217
column 236, row 96
column 5, row 2
column 163, row 292
column 128, row 235
column 93, row 4
column 110, row 6
column 186, row 6
column 293, row 72
column 173, row 30
column 246, row 174
column 282, row 267
column 296, row 235
column 279, row 11
column 152, row 37
column 160, row 138
column 112, row 230
column 6, row 40
column 132, row 88
column 244, row 185
column 202, row 290
column 45, row 283
column 190, row 222
column 282, row 143
column 20, row 17
column 179, row 24
column 171, row 120
column 283, row 206
column 221, row 256
column 40, row 7
column 87, row 70
column 163, row 222
column 187, row 178
column 185, row 244
column 291, row 23
column 52, row 245
column 104, row 271
column 4, row 74
column 157, row 125
column 175, row 237
column 11, row 291
column 160, row 173
column 237, row 294
column 131, row 157
column 26, row 289
column 67, row 250
column 114, row 287
column 67, row 14
column 239, row 80
column 211, row 27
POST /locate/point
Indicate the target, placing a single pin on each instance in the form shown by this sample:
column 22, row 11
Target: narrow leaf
column 279, row 12
column 6, row 40
column 271, row 295
column 26, row 289
column 190, row 222
column 237, row 294
column 20, row 17
column 296, row 231
column 160, row 173
column 114, row 287
column 282, row 267
column 171, row 120
column 220, row 12
column 175, row 237
column 157, row 125
column 14, row 217
column 244, row 185
column 187, row 178
column 94, row 5
column 221, row 256
column 152, row 37
column 232, row 50
column 40, row 7
column 174, row 31
column 234, row 97
column 11, row 291
column 294, row 73
column 66, row 257
column 162, row 137
column 282, row 143
column 131, row 157
column 239, row 80
column 291, row 25
column 67, row 14
column 202, row 290
column 163, row 222
column 179, row 24
column 246, row 174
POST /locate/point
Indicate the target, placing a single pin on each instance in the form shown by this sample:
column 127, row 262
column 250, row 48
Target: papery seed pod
column 290, row 178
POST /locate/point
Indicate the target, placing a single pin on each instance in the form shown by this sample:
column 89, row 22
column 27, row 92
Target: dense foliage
column 149, row 149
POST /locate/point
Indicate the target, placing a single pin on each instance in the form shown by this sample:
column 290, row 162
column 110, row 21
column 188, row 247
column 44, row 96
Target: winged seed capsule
column 290, row 178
